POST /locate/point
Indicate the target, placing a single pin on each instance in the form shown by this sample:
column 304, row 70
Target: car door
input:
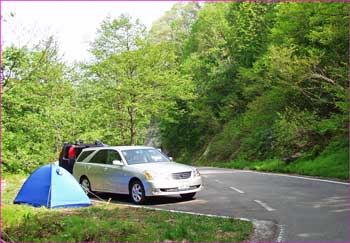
column 96, row 171
column 115, row 181
column 80, row 166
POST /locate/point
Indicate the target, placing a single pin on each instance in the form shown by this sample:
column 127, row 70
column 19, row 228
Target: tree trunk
column 132, row 125
column 121, row 122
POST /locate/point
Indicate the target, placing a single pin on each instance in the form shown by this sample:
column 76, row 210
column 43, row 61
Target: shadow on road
column 125, row 199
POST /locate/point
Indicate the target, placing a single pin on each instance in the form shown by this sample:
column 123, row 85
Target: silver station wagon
column 138, row 171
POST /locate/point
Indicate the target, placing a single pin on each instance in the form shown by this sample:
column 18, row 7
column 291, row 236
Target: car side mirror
column 117, row 162
column 171, row 159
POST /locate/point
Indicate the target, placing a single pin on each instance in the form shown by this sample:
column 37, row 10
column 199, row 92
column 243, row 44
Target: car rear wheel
column 188, row 196
column 85, row 184
column 137, row 192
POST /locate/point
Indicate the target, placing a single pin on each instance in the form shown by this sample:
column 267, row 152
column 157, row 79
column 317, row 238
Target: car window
column 140, row 156
column 84, row 155
column 100, row 157
column 113, row 155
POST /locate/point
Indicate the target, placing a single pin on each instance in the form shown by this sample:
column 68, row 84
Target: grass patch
column 109, row 222
column 329, row 165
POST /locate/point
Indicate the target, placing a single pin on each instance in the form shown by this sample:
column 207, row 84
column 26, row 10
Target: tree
column 36, row 108
column 138, row 83
column 255, row 68
column 250, row 25
column 175, row 25
column 116, row 36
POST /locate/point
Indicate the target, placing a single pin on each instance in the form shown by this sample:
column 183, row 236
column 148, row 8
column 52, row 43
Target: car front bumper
column 173, row 187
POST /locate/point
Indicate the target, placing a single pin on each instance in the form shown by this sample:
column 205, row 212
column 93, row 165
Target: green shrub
column 331, row 163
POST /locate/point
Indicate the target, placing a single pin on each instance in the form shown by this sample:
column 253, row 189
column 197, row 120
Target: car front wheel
column 137, row 192
column 188, row 196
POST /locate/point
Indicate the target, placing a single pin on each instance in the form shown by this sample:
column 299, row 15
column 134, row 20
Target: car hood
column 162, row 167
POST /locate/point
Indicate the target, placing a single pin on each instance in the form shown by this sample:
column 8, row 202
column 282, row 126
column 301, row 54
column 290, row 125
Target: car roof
column 119, row 148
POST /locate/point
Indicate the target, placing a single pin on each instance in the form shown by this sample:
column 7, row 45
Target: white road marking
column 237, row 190
column 340, row 210
column 299, row 177
column 282, row 230
column 219, row 182
column 304, row 235
column 255, row 222
column 175, row 211
column 197, row 201
column 211, row 170
column 186, row 212
column 264, row 205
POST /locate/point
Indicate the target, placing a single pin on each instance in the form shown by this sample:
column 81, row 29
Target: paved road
column 305, row 209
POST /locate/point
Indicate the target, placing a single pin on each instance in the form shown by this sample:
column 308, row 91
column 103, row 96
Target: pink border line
column 271, row 1
column 257, row 1
column 0, row 123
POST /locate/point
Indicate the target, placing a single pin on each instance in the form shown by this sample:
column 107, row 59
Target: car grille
column 181, row 175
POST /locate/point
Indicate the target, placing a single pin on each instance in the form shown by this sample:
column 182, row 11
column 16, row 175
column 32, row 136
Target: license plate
column 183, row 187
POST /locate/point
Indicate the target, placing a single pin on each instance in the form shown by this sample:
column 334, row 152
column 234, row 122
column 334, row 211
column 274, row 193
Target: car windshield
column 142, row 156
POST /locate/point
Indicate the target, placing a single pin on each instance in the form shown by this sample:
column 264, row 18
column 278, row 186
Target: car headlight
column 152, row 175
column 148, row 175
column 196, row 172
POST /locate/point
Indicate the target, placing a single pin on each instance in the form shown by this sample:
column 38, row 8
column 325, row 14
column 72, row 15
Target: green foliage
column 103, row 225
column 226, row 144
column 175, row 25
column 116, row 36
column 295, row 132
column 220, row 81
column 331, row 163
column 276, row 87
column 36, row 108
column 249, row 28
column 142, row 82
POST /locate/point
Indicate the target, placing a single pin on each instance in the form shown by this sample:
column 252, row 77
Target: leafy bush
column 295, row 131
column 331, row 163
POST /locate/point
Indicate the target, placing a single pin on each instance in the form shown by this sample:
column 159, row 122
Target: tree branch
column 319, row 76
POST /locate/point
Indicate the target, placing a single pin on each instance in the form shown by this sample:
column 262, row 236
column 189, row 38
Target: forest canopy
column 208, row 82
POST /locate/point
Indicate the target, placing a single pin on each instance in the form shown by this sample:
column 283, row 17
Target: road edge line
column 299, row 177
column 257, row 224
column 305, row 177
column 277, row 231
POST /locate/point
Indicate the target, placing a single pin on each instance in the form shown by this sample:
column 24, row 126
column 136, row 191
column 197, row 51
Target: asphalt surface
column 304, row 209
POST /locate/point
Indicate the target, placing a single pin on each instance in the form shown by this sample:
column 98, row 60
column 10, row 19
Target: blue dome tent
column 52, row 186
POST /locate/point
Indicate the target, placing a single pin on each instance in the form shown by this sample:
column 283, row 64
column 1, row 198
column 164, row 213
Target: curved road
column 306, row 209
